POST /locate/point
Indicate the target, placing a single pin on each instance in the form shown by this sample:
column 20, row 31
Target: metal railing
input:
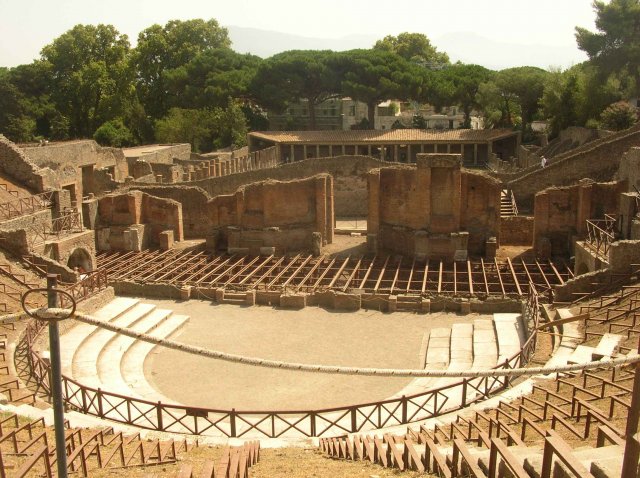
column 273, row 424
column 601, row 234
column 22, row 206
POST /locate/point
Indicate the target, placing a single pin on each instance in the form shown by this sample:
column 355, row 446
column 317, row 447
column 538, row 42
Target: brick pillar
column 584, row 206
column 373, row 187
column 239, row 207
column 321, row 207
column 331, row 219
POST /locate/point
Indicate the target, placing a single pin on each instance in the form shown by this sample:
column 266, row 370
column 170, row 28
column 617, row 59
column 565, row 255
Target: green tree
column 297, row 75
column 90, row 76
column 616, row 46
column 459, row 85
column 419, row 122
column 113, row 133
column 513, row 96
column 13, row 122
column 210, row 78
column 372, row 76
column 560, row 100
column 414, row 47
column 162, row 49
column 618, row 116
column 205, row 129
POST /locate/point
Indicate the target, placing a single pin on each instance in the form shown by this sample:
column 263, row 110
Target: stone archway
column 80, row 258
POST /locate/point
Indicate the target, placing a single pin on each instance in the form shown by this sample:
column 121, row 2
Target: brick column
column 373, row 188
column 321, row 207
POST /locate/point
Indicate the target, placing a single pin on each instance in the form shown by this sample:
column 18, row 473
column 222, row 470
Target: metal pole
column 632, row 447
column 55, row 379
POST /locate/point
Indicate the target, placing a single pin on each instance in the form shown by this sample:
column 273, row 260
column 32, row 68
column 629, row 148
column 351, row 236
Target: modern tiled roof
column 384, row 136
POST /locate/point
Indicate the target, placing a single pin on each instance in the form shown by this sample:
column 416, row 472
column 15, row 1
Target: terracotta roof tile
column 383, row 136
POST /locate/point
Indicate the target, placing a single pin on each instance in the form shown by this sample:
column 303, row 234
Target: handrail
column 29, row 205
column 600, row 236
column 61, row 226
column 331, row 421
column 93, row 282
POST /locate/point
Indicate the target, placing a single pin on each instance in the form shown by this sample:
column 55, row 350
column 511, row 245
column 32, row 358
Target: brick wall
column 349, row 179
column 516, row 231
column 561, row 213
column 15, row 164
column 598, row 160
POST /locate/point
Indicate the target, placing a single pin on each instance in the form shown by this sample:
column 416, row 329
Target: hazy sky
column 27, row 25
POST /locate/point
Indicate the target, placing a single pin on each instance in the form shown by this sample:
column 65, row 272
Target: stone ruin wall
column 280, row 214
column 598, row 160
column 434, row 208
column 17, row 165
column 560, row 213
column 349, row 180
column 136, row 220
column 629, row 170
column 66, row 160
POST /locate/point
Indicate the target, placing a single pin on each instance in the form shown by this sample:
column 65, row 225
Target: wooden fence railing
column 66, row 224
column 273, row 424
column 90, row 284
column 29, row 205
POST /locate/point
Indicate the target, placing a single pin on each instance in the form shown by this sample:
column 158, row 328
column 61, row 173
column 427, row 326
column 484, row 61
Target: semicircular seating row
column 479, row 344
column 99, row 358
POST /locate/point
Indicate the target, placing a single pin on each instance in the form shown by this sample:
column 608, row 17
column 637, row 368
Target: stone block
column 372, row 243
column 166, row 240
column 250, row 297
column 219, row 295
column 211, row 242
column 347, row 301
column 185, row 292
column 425, row 306
column 491, row 247
column 90, row 212
column 267, row 251
column 465, row 307
column 293, row 301
column 392, row 303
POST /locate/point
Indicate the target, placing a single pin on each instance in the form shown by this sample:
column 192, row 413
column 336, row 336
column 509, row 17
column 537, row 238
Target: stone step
column 582, row 354
column 510, row 334
column 85, row 359
column 132, row 362
column 607, row 346
column 461, row 354
column 109, row 373
column 438, row 349
column 485, row 350
column 70, row 341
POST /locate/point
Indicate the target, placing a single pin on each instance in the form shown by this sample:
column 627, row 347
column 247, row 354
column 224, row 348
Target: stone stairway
column 506, row 204
column 99, row 358
column 476, row 345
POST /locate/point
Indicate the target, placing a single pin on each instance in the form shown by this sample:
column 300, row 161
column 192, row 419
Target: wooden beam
column 382, row 271
column 424, row 278
column 495, row 261
column 515, row 279
column 310, row 273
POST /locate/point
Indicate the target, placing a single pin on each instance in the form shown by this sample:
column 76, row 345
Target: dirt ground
column 312, row 335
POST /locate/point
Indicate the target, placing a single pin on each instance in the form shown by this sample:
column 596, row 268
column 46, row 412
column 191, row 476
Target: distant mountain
column 466, row 47
column 470, row 47
column 265, row 43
